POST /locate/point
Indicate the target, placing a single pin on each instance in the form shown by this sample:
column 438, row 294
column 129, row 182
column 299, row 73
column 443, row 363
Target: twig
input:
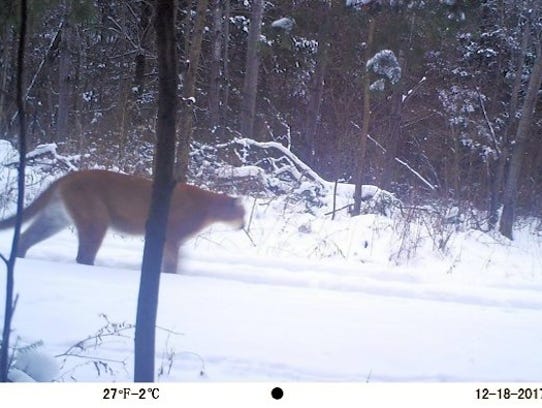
column 250, row 238
column 338, row 209
column 251, row 216
column 427, row 183
column 334, row 199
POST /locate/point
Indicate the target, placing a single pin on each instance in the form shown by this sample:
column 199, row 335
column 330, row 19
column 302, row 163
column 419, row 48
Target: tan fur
column 96, row 200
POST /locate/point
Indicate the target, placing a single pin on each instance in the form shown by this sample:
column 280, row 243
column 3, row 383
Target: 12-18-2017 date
column 522, row 393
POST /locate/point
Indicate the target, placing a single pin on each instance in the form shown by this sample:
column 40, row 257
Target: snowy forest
column 383, row 155
column 428, row 100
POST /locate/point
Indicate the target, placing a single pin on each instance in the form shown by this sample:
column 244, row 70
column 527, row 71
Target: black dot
column 277, row 393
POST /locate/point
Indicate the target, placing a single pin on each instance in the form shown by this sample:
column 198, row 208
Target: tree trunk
column 144, row 28
column 362, row 141
column 316, row 87
column 522, row 136
column 10, row 263
column 498, row 171
column 4, row 71
column 189, row 91
column 226, row 65
column 394, row 130
column 80, row 63
column 250, row 85
column 162, row 188
column 64, row 81
column 216, row 62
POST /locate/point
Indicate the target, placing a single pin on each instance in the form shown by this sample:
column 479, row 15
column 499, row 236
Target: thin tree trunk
column 394, row 130
column 189, row 91
column 48, row 57
column 10, row 263
column 522, row 136
column 316, row 88
column 250, row 84
column 362, row 141
column 226, row 66
column 162, row 188
column 4, row 70
column 78, row 89
column 144, row 27
column 64, row 80
column 216, row 63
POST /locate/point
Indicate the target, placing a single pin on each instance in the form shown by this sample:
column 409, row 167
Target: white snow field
column 364, row 299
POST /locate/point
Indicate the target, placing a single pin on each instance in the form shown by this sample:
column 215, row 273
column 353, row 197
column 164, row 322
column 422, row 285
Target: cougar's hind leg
column 44, row 226
column 91, row 219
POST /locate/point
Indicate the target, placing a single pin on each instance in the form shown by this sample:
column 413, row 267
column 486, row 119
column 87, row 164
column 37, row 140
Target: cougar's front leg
column 170, row 259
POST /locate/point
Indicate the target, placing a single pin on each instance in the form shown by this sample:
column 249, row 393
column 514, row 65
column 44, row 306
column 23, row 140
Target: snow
column 284, row 23
column 379, row 85
column 357, row 3
column 413, row 295
column 304, row 299
column 385, row 63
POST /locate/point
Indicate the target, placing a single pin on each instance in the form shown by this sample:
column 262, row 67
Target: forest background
column 431, row 100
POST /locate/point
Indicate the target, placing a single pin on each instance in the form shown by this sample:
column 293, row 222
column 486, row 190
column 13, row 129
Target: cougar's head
column 230, row 210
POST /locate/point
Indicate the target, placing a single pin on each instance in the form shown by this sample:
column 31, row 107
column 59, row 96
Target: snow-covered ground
column 304, row 298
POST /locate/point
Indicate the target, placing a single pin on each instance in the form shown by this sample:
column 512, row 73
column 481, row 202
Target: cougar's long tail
column 29, row 212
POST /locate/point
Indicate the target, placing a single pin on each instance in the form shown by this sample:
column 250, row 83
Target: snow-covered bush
column 384, row 64
column 32, row 364
column 44, row 164
column 269, row 169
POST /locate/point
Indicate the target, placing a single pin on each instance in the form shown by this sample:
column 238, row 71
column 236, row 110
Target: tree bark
column 250, row 84
column 216, row 63
column 394, row 130
column 189, row 91
column 316, row 87
column 162, row 188
column 64, row 80
column 10, row 263
column 144, row 27
column 499, row 167
column 226, row 65
column 522, row 136
column 362, row 141
column 4, row 65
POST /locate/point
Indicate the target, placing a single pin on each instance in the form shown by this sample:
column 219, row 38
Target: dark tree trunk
column 162, row 188
column 362, row 140
column 189, row 91
column 215, row 75
column 5, row 63
column 226, row 65
column 10, row 263
column 250, row 85
column 394, row 131
column 316, row 89
column 140, row 59
column 316, row 95
column 64, row 81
